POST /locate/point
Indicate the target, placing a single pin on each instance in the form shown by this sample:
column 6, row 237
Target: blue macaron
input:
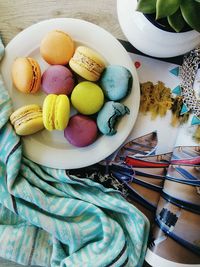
column 109, row 115
column 116, row 82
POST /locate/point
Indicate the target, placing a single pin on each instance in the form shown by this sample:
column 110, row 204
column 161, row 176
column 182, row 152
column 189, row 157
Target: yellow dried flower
column 155, row 99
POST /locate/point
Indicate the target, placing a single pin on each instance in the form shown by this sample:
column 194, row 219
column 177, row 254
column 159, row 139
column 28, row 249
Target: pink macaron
column 57, row 80
column 81, row 131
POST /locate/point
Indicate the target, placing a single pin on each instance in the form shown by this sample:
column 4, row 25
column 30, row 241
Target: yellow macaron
column 27, row 120
column 57, row 47
column 87, row 63
column 56, row 112
column 87, row 98
column 26, row 75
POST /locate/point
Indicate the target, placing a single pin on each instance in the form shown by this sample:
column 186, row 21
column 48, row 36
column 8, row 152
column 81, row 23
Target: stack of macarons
column 78, row 77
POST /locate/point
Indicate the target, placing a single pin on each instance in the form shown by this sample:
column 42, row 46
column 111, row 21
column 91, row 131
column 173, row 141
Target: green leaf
column 197, row 1
column 190, row 10
column 176, row 21
column 166, row 8
column 146, row 6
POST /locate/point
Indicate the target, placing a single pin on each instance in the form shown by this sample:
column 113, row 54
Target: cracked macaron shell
column 56, row 112
column 87, row 63
column 26, row 75
column 27, row 120
column 109, row 115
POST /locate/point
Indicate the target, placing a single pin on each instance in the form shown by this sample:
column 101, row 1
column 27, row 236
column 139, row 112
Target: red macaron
column 81, row 131
column 57, row 79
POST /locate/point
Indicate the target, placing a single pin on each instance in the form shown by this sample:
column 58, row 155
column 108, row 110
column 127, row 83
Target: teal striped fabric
column 50, row 219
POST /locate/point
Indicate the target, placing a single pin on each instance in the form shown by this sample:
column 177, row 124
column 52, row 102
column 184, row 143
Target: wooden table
column 17, row 15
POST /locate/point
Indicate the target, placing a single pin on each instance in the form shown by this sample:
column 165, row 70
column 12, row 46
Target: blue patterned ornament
column 175, row 71
column 187, row 73
column 184, row 109
column 177, row 90
column 195, row 120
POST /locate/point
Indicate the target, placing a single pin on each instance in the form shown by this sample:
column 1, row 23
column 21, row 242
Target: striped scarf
column 49, row 218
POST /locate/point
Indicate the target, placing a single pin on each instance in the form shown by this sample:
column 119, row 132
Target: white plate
column 50, row 148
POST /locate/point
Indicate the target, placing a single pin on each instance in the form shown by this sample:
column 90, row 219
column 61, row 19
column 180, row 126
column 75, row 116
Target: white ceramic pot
column 149, row 39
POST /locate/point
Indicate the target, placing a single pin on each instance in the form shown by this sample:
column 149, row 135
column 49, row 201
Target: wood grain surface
column 16, row 15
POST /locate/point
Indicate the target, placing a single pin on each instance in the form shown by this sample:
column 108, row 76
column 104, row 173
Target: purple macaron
column 57, row 80
column 81, row 131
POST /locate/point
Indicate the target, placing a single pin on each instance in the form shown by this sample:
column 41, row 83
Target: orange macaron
column 57, row 48
column 26, row 75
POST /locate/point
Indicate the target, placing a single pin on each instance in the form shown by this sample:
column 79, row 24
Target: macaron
column 109, row 115
column 87, row 63
column 56, row 112
column 87, row 98
column 26, row 75
column 27, row 119
column 81, row 131
column 57, row 79
column 57, row 47
column 116, row 82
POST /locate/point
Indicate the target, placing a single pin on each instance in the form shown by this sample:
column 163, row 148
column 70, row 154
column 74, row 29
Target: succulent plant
column 179, row 13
